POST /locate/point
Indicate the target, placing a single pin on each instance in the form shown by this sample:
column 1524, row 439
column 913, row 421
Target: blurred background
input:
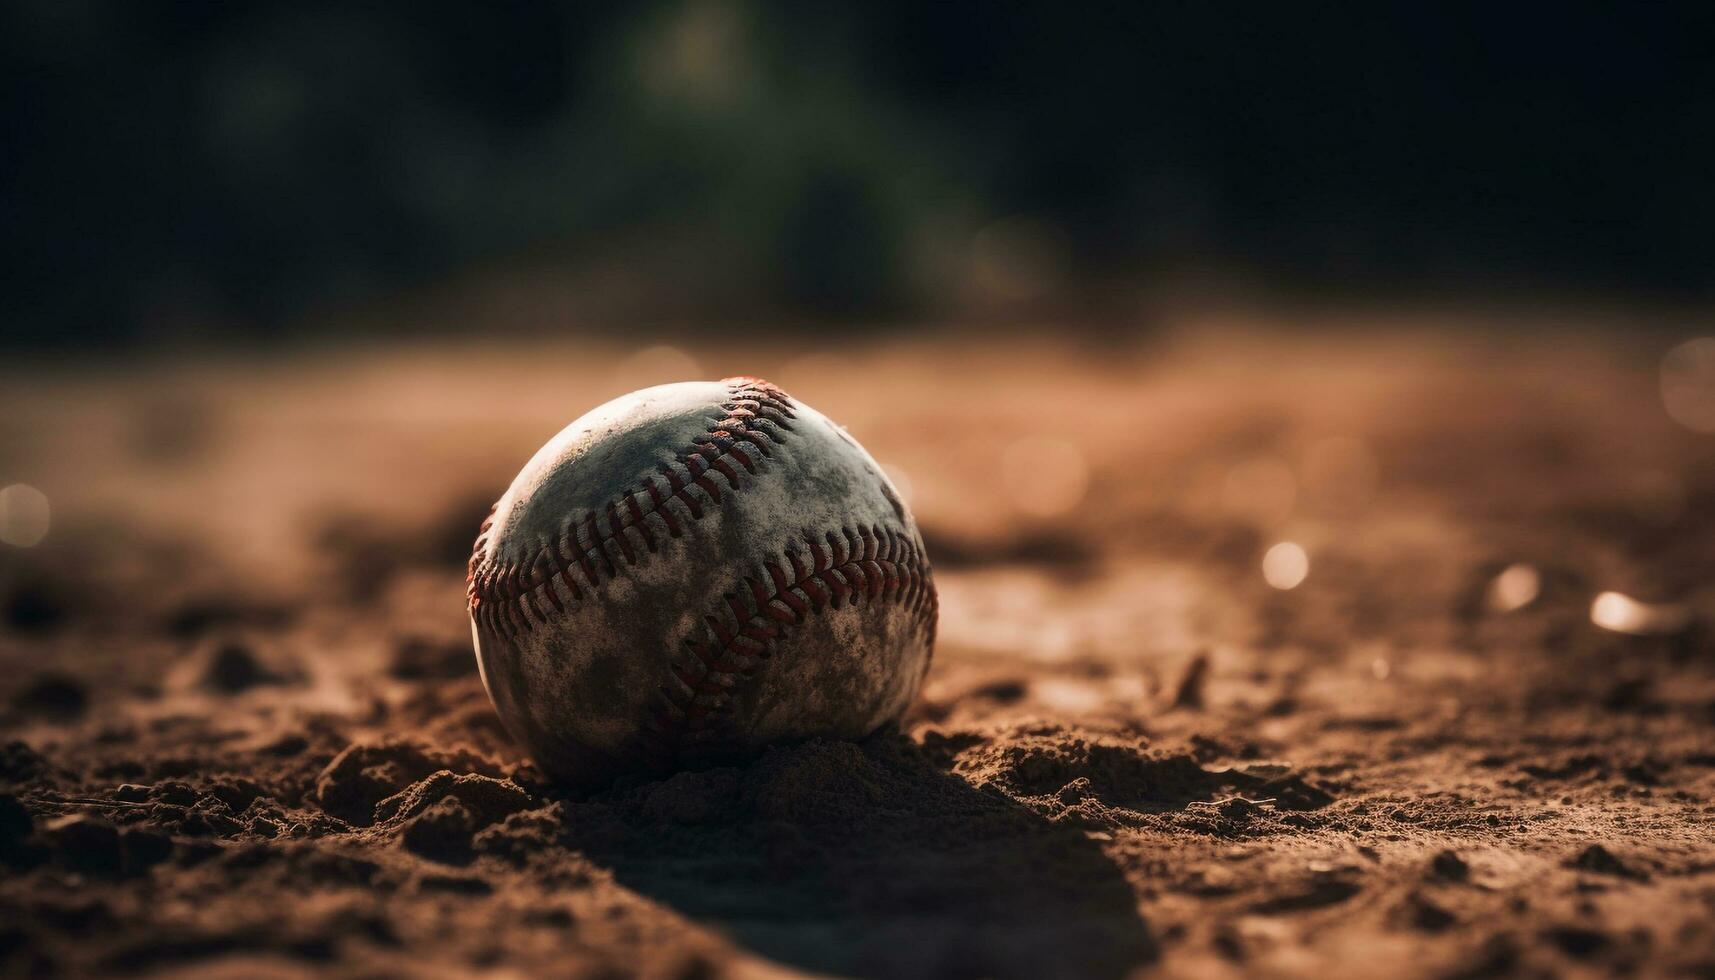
column 192, row 172
column 1307, row 408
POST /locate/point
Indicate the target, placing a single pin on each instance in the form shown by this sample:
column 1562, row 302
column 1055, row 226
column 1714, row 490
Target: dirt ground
column 243, row 733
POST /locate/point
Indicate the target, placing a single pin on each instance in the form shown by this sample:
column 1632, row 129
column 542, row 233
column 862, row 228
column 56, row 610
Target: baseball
column 690, row 572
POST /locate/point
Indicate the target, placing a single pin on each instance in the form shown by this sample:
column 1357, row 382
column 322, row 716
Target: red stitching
column 839, row 568
column 502, row 595
column 564, row 563
column 598, row 544
column 637, row 521
column 708, row 676
column 689, row 499
column 613, row 521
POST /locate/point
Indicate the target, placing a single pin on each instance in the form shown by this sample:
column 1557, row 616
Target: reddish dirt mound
column 243, row 733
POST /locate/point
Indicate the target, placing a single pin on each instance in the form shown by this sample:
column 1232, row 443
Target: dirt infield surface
column 243, row 733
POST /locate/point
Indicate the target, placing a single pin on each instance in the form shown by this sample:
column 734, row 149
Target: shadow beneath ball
column 867, row 859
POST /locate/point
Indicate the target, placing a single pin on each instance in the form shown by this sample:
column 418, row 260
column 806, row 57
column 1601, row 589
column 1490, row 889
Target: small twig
column 88, row 801
column 1232, row 799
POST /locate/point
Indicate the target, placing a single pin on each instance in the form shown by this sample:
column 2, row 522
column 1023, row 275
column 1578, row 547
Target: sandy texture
column 243, row 733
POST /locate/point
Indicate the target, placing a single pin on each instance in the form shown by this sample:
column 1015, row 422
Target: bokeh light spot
column 24, row 515
column 1516, row 587
column 1624, row 614
column 1688, row 384
column 1285, row 565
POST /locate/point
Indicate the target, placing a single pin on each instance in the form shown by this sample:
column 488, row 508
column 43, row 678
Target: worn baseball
column 690, row 572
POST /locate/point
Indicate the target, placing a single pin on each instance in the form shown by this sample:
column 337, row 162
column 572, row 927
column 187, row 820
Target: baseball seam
column 509, row 598
column 872, row 563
